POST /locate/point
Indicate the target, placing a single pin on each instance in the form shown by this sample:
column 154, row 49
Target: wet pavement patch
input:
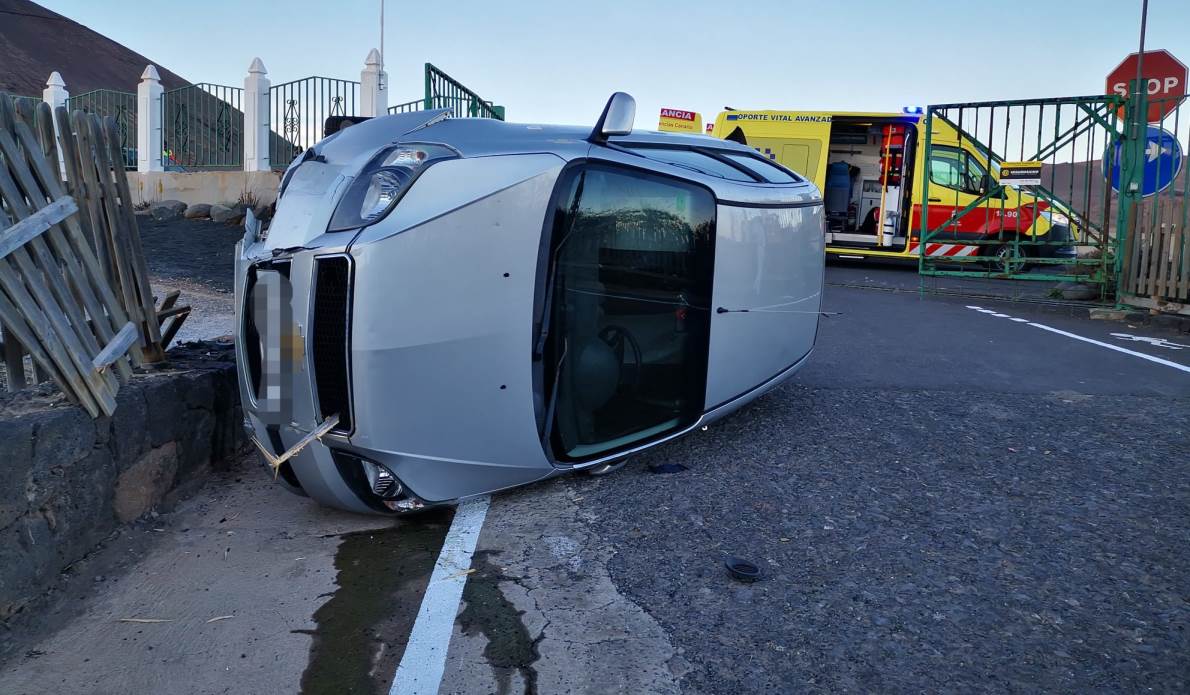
column 487, row 610
column 362, row 630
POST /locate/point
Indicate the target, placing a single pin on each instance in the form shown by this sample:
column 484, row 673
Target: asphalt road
column 945, row 499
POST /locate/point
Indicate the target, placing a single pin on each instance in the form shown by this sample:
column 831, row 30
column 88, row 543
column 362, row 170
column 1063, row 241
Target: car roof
column 352, row 148
column 478, row 137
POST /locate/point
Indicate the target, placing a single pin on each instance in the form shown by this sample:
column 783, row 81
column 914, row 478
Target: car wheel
column 1009, row 258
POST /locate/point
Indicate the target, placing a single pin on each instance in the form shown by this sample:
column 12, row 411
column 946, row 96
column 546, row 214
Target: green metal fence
column 1056, row 228
column 19, row 102
column 408, row 106
column 1154, row 205
column 203, row 127
column 119, row 105
column 445, row 92
column 298, row 111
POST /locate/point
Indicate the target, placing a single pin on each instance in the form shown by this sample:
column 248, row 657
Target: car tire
column 1010, row 258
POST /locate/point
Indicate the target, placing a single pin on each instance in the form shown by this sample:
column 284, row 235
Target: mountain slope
column 35, row 41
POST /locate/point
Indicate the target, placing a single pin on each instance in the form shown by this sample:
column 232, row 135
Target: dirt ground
column 196, row 257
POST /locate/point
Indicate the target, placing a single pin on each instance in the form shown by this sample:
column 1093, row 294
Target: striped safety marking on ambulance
column 949, row 250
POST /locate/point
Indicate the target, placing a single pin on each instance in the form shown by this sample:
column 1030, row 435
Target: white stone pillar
column 373, row 87
column 148, row 121
column 256, row 117
column 55, row 95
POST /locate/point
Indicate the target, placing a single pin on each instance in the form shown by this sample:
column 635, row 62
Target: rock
column 1108, row 314
column 221, row 213
column 263, row 212
column 167, row 210
column 143, row 485
column 197, row 211
column 1078, row 291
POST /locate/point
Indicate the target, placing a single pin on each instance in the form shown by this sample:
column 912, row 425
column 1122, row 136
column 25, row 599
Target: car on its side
column 446, row 307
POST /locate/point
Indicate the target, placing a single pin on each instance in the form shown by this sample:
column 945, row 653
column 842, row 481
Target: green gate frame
column 445, row 92
column 1097, row 111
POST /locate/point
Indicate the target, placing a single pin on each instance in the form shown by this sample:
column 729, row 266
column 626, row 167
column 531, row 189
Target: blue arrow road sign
column 1163, row 161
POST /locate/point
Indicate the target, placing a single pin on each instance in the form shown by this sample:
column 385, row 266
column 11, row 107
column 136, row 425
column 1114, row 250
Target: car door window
column 629, row 322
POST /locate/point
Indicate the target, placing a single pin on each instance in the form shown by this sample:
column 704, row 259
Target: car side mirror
column 986, row 184
column 616, row 119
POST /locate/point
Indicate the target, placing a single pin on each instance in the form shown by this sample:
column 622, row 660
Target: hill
column 35, row 41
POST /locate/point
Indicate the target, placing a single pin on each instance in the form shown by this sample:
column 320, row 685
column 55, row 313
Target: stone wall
column 67, row 481
column 203, row 186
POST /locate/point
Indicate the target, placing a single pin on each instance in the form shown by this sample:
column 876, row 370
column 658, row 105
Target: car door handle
column 935, row 200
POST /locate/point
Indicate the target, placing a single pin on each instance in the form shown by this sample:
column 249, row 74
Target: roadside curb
column 1169, row 322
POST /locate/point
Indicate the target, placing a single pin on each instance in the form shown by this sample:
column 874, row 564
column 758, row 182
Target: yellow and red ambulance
column 869, row 167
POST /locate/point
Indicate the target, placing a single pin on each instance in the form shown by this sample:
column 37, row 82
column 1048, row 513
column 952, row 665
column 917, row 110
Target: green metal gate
column 119, row 105
column 445, row 92
column 1057, row 227
column 203, row 127
column 298, row 111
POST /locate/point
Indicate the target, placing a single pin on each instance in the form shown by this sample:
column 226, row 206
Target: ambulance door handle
column 935, row 200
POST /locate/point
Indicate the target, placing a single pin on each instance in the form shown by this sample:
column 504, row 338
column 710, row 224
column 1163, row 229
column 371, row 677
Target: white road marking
column 1155, row 342
column 1109, row 346
column 422, row 665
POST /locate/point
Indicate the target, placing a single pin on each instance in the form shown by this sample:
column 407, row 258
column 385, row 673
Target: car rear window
column 697, row 161
column 762, row 167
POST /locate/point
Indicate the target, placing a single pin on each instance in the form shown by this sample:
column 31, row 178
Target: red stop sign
column 1165, row 78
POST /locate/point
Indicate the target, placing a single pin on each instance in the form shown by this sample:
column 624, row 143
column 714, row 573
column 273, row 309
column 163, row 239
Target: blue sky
column 556, row 62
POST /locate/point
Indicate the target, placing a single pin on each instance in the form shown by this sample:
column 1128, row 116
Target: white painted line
column 422, row 665
column 1117, row 348
column 1155, row 342
column 1109, row 346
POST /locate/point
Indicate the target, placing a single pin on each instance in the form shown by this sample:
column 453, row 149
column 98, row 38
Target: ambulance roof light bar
column 913, row 110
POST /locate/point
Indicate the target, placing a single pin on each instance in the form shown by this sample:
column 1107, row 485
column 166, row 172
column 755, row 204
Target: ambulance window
column 689, row 159
column 761, row 167
column 955, row 169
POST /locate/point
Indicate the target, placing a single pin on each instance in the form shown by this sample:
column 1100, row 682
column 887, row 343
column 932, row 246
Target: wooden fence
column 75, row 302
column 1157, row 268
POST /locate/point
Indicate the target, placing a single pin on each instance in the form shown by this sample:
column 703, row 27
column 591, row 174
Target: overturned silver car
column 448, row 307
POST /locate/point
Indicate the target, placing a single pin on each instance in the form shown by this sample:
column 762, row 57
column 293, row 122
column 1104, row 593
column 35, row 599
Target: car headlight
column 382, row 182
column 1055, row 217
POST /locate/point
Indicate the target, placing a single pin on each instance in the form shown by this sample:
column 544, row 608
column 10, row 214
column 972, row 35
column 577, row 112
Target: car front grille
column 251, row 339
column 330, row 338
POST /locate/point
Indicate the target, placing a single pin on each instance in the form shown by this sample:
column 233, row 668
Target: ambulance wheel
column 1009, row 258
column 606, row 468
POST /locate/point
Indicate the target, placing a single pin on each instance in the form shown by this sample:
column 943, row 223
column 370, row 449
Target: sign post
column 1164, row 77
